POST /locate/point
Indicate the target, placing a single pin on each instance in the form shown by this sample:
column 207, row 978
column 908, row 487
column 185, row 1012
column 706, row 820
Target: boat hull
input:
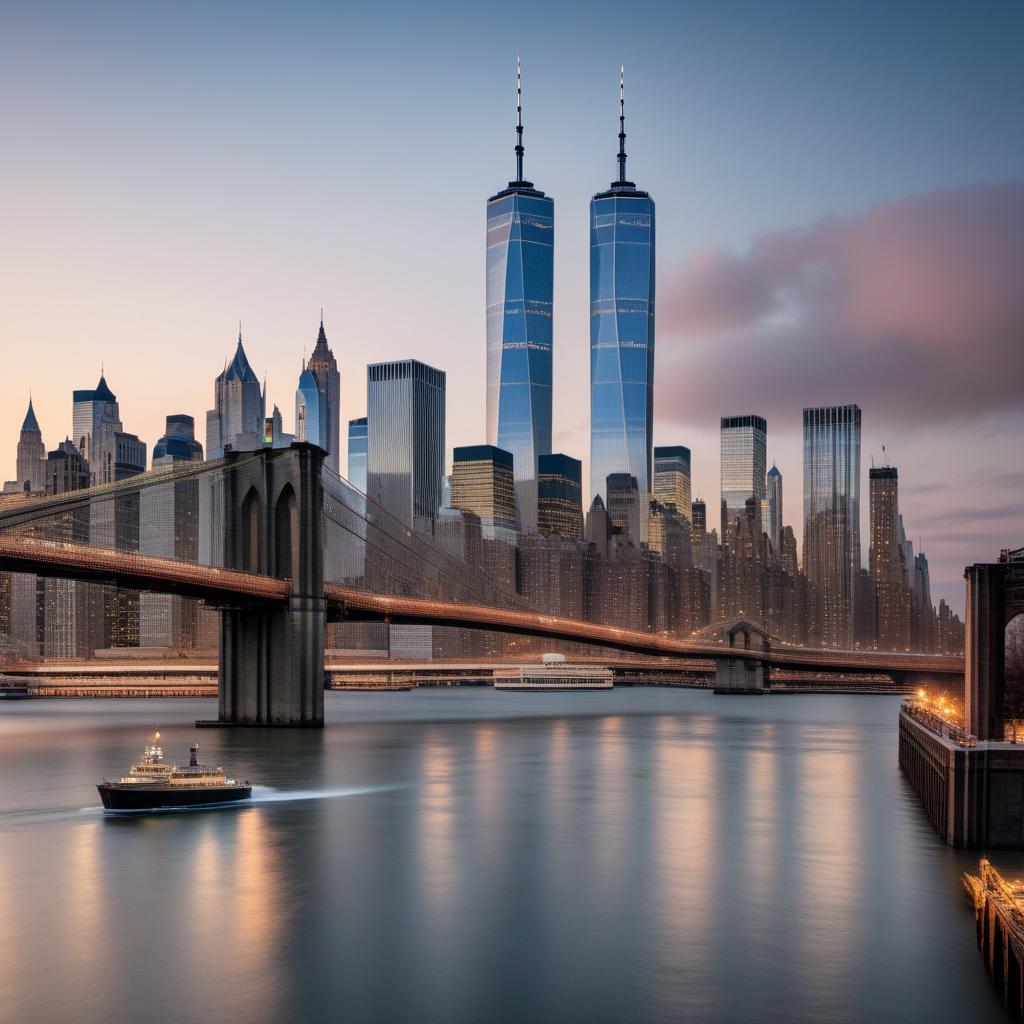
column 139, row 798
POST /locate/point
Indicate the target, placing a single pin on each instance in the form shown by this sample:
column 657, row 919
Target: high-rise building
column 310, row 422
column 832, row 520
column 324, row 368
column 625, row 506
column 179, row 442
column 66, row 603
column 237, row 419
column 520, row 290
column 96, row 419
column 560, row 496
column 621, row 328
column 699, row 517
column 169, row 526
column 891, row 618
column 672, row 478
column 483, row 483
column 357, row 453
column 744, row 457
column 31, row 454
column 405, row 403
column 775, row 508
column 598, row 529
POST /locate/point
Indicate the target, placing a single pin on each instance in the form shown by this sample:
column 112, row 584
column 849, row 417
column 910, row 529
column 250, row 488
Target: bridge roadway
column 229, row 587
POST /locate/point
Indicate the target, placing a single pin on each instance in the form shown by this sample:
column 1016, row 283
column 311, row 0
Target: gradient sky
column 839, row 188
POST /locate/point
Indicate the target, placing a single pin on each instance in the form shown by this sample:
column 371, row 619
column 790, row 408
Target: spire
column 519, row 118
column 622, row 125
column 239, row 332
column 31, row 423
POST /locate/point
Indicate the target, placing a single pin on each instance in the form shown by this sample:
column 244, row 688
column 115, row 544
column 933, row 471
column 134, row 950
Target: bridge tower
column 271, row 669
column 995, row 596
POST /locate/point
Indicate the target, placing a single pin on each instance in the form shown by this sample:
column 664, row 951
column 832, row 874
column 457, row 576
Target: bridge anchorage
column 271, row 667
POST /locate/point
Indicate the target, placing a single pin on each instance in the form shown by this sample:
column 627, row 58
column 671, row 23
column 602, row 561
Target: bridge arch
column 250, row 541
column 286, row 534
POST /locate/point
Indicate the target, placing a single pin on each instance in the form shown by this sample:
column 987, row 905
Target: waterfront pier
column 999, row 924
column 968, row 776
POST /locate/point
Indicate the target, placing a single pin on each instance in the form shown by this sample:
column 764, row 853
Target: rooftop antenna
column 622, row 124
column 519, row 118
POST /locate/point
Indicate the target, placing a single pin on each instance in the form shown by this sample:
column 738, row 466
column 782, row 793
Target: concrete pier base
column 972, row 791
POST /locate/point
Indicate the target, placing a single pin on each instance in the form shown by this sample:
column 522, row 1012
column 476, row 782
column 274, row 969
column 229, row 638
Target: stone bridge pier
column 271, row 669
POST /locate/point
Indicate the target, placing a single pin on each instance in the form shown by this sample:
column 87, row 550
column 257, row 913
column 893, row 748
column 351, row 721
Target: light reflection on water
column 641, row 855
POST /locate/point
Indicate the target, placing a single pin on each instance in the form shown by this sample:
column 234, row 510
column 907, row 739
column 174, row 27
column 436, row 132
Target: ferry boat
column 154, row 785
column 553, row 673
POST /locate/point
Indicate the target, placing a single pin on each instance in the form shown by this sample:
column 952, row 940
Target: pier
column 999, row 924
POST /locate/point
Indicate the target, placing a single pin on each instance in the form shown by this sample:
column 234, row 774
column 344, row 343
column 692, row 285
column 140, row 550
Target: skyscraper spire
column 622, row 125
column 519, row 119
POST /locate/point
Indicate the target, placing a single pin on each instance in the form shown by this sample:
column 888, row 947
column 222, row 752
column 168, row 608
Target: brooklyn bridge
column 281, row 546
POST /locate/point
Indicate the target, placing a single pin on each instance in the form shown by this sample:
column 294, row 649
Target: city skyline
column 704, row 241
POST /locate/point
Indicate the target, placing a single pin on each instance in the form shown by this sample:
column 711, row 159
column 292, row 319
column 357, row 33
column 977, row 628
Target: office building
column 622, row 253
column 744, row 451
column 832, row 520
column 520, row 289
column 560, row 496
column 774, row 523
column 483, row 483
column 672, row 478
column 237, row 419
column 357, row 453
column 405, row 440
column 324, row 368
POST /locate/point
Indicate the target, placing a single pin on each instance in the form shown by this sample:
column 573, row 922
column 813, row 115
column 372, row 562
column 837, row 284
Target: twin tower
column 520, row 287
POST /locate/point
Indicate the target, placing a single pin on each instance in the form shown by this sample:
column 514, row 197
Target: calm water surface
column 472, row 856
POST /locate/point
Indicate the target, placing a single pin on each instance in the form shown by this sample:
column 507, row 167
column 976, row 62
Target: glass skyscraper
column 405, row 403
column 357, row 453
column 744, row 443
column 520, row 286
column 621, row 328
column 832, row 520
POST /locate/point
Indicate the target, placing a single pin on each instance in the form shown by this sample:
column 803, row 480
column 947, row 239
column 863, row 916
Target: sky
column 840, row 217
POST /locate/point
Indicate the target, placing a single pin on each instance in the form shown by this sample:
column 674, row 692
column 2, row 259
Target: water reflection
column 644, row 855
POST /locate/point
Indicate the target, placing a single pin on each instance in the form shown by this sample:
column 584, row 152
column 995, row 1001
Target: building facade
column 357, row 453
column 744, row 457
column 622, row 254
column 324, row 368
column 238, row 417
column 520, row 292
column 560, row 496
column 832, row 520
column 672, row 478
column 405, row 440
column 483, row 483
column 774, row 523
column 31, row 459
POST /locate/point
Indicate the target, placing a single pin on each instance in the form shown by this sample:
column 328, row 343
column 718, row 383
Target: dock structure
column 999, row 924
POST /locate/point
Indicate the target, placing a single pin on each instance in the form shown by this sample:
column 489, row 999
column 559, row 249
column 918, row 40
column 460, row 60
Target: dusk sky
column 839, row 189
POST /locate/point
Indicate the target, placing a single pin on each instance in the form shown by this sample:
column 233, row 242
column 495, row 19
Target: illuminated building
column 483, row 483
column 560, row 496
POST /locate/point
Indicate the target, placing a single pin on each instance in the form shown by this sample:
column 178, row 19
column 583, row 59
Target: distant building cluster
column 637, row 553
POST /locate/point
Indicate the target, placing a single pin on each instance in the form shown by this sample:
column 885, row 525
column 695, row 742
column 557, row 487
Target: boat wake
column 269, row 795
column 260, row 795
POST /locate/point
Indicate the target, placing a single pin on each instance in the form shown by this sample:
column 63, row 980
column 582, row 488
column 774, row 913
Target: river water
column 473, row 856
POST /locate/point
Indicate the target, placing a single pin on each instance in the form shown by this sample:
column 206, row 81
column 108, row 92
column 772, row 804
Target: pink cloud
column 915, row 310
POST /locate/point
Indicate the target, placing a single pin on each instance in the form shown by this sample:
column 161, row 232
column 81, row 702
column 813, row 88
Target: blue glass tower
column 520, row 286
column 621, row 328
